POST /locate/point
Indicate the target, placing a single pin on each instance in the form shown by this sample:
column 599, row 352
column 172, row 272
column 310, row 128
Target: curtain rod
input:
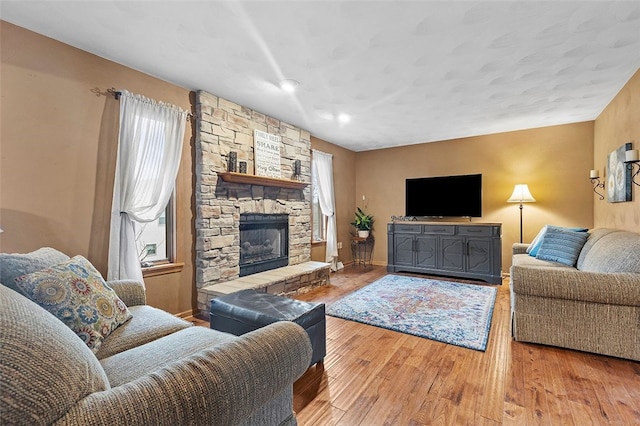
column 116, row 94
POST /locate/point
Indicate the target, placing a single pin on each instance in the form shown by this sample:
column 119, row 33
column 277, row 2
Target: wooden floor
column 373, row 376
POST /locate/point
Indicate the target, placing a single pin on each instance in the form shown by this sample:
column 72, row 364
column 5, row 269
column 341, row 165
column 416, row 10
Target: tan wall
column 58, row 146
column 617, row 124
column 553, row 161
column 344, row 182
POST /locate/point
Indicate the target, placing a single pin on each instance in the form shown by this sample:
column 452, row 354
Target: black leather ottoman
column 247, row 310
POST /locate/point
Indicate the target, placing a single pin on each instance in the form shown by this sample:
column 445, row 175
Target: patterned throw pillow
column 75, row 292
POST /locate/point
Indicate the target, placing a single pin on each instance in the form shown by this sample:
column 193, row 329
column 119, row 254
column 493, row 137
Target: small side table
column 362, row 250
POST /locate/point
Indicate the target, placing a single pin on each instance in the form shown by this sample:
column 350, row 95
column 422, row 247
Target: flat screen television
column 444, row 196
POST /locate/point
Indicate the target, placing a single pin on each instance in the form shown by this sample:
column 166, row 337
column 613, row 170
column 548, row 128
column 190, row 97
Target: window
column 149, row 150
column 319, row 221
column 155, row 240
column 323, row 209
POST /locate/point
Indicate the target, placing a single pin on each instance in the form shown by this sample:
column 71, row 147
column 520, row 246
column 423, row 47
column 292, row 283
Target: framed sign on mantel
column 266, row 151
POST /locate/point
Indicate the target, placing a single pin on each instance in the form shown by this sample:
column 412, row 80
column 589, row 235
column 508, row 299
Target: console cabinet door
column 426, row 251
column 403, row 249
column 479, row 256
column 452, row 253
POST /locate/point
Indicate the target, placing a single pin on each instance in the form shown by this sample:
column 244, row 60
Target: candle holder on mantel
column 297, row 169
column 243, row 167
column 233, row 160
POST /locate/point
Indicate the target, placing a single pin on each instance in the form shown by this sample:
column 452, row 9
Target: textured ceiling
column 406, row 72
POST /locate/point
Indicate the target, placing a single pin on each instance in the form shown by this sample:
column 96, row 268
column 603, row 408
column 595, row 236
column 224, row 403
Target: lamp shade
column 521, row 194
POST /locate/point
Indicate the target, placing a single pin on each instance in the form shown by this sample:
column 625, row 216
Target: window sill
column 162, row 269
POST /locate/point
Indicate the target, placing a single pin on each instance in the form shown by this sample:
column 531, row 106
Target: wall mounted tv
column 444, row 196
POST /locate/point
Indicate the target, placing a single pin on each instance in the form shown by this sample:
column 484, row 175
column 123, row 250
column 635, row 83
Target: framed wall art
column 618, row 176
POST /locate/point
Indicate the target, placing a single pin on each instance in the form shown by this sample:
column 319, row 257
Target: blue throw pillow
column 535, row 244
column 537, row 241
column 562, row 245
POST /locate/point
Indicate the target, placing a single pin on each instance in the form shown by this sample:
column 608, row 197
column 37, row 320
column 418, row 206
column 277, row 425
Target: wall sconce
column 594, row 175
column 631, row 158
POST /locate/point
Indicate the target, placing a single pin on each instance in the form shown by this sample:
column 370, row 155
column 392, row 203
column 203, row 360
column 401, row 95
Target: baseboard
column 187, row 314
column 374, row 263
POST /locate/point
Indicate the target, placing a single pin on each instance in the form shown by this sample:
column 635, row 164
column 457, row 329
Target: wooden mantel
column 233, row 177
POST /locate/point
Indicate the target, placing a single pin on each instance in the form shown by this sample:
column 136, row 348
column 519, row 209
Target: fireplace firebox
column 264, row 242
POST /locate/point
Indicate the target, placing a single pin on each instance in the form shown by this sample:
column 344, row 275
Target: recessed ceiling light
column 289, row 85
column 344, row 118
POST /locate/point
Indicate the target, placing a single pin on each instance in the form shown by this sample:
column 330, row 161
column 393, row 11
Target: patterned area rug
column 455, row 313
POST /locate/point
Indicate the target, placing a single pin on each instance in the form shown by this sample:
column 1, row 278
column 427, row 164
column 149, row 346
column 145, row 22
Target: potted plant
column 363, row 223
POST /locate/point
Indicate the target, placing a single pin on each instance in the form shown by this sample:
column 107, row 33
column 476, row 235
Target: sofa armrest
column 519, row 248
column 131, row 292
column 621, row 288
column 221, row 385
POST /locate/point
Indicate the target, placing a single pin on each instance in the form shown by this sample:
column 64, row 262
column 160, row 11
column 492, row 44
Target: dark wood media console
column 463, row 250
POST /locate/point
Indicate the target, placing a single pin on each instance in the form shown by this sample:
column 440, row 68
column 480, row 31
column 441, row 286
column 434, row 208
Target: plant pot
column 363, row 234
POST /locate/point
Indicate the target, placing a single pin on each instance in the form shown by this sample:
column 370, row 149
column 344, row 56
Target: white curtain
column 149, row 150
column 322, row 168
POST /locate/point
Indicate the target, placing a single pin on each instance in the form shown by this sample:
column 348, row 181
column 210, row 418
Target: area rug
column 454, row 313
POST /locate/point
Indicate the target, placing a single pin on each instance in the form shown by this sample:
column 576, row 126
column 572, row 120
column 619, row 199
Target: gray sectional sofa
column 593, row 306
column 155, row 369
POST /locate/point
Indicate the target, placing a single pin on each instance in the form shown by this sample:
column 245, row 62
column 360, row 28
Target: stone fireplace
column 222, row 206
column 264, row 242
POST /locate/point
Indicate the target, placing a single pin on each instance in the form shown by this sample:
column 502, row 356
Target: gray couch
column 593, row 306
column 155, row 369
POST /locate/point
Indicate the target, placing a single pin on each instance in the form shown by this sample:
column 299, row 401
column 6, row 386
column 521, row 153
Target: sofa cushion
column 44, row 368
column 561, row 245
column 137, row 362
column 148, row 324
column 13, row 265
column 75, row 292
column 526, row 260
column 594, row 236
column 613, row 252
